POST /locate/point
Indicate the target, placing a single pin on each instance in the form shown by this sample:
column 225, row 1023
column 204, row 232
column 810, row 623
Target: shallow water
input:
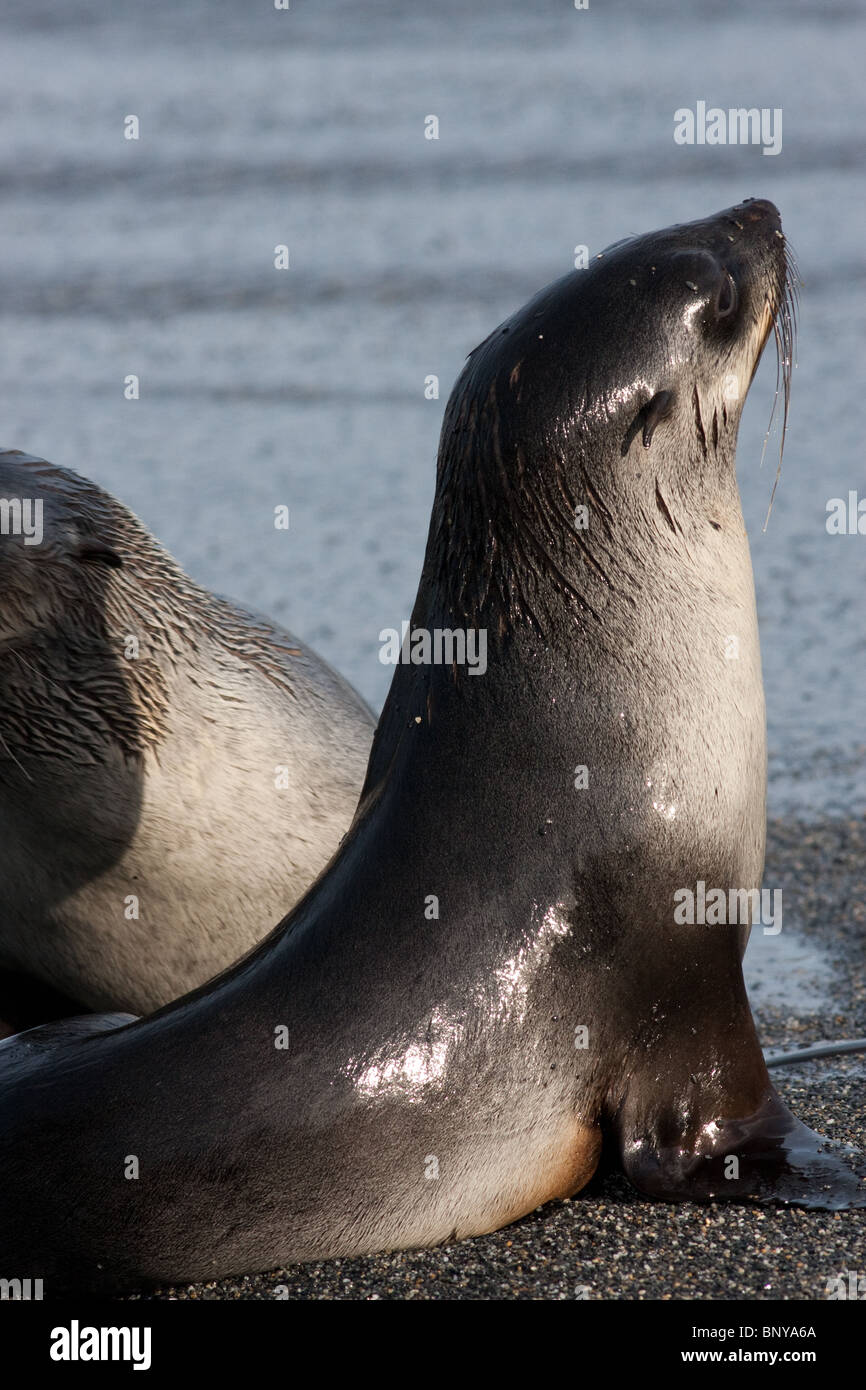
column 788, row 972
column 306, row 387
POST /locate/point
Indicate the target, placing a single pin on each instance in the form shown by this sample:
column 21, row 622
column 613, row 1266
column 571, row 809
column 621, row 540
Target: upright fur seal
column 175, row 771
column 490, row 976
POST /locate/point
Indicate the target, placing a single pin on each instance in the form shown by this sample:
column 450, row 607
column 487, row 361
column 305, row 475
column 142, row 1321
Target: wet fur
column 432, row 1086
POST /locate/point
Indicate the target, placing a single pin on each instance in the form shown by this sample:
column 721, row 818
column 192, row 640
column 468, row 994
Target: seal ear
column 659, row 407
column 656, row 410
column 95, row 552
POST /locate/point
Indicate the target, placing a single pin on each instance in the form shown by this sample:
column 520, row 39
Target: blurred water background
column 305, row 127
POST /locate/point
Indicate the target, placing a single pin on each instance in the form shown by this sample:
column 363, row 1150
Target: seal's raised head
column 679, row 313
column 620, row 385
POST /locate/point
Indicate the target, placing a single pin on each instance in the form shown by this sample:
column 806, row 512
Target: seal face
column 174, row 772
column 491, row 975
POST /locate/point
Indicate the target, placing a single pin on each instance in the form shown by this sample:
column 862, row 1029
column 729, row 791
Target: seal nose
column 759, row 210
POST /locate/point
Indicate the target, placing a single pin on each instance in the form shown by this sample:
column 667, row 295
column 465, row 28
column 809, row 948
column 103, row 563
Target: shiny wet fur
column 435, row 1083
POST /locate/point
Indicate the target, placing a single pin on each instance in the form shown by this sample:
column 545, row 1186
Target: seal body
column 175, row 771
column 490, row 977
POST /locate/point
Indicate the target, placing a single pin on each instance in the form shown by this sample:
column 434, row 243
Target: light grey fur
column 154, row 777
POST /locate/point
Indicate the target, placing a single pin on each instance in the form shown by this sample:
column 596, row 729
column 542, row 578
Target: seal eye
column 727, row 298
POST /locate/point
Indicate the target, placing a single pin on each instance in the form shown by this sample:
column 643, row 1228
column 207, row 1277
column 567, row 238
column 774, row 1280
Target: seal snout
column 758, row 210
column 749, row 243
column 764, row 270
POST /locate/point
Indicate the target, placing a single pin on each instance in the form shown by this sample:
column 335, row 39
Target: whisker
column 785, row 328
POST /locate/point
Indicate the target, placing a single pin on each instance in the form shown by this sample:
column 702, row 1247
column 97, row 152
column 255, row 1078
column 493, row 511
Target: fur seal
column 380, row 1074
column 149, row 835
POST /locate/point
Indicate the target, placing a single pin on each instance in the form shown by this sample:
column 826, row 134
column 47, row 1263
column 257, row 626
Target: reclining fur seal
column 174, row 771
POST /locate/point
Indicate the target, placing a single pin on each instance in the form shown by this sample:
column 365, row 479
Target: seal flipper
column 768, row 1157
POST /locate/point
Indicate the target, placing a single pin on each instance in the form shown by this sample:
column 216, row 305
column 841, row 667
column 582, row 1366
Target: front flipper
column 768, row 1157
